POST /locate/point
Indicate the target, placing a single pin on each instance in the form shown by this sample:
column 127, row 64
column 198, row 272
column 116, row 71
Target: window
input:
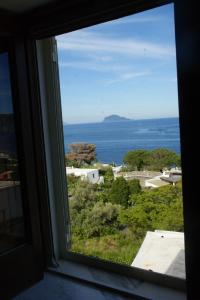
column 12, row 231
column 118, row 80
column 73, row 178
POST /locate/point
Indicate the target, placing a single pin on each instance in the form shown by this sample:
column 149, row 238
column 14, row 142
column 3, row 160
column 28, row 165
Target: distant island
column 115, row 118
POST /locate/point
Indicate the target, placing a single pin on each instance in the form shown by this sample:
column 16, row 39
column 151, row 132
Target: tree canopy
column 119, row 192
column 134, row 186
column 137, row 159
column 159, row 208
column 80, row 154
column 156, row 159
column 110, row 220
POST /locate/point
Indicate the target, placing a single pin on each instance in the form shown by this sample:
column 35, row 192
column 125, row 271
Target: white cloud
column 127, row 76
column 115, row 56
column 86, row 41
column 120, row 72
column 97, row 65
column 135, row 19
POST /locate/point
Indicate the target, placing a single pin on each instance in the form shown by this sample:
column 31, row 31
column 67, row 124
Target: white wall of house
column 92, row 175
column 116, row 169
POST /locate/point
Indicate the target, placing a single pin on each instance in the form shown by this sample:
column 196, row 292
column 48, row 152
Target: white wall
column 92, row 175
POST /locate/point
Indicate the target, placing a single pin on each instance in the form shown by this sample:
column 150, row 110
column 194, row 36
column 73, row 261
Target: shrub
column 119, row 192
column 101, row 219
column 84, row 196
column 137, row 159
column 134, row 186
column 156, row 159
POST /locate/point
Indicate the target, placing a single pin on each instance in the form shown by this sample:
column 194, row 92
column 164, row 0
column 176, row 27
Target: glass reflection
column 11, row 210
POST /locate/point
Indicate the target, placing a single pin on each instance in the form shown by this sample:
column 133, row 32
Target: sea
column 114, row 139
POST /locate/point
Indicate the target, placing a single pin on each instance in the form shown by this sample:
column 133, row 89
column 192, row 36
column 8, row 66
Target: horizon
column 128, row 64
column 102, row 121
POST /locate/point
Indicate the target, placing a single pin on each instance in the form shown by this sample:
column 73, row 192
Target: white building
column 92, row 175
column 116, row 169
column 162, row 252
column 173, row 171
column 155, row 182
column 171, row 176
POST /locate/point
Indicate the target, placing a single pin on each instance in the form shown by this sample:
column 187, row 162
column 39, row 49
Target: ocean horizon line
column 124, row 121
column 114, row 139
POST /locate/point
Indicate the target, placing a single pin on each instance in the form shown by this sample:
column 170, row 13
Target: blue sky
column 125, row 67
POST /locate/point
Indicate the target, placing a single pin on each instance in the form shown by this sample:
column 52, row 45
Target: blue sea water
column 113, row 140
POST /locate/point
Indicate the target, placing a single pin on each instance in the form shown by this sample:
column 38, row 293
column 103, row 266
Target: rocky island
column 115, row 118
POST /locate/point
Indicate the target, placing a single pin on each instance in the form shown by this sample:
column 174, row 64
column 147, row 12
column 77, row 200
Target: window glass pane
column 121, row 135
column 11, row 212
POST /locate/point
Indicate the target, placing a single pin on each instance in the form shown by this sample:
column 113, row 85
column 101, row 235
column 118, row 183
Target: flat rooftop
column 158, row 182
column 162, row 252
column 80, row 170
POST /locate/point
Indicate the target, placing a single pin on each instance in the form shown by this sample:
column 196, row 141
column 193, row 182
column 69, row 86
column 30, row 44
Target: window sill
column 121, row 284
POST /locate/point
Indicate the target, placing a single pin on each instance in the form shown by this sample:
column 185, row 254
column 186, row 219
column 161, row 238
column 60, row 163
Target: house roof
column 157, row 182
column 172, row 178
column 162, row 252
column 80, row 171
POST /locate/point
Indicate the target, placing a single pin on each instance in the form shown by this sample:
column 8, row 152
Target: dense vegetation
column 110, row 220
column 156, row 159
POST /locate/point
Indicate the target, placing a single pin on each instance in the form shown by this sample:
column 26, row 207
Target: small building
column 155, row 183
column 116, row 169
column 171, row 176
column 173, row 179
column 162, row 252
column 174, row 171
column 92, row 175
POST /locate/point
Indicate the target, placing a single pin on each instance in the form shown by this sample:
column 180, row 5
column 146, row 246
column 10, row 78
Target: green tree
column 108, row 177
column 98, row 220
column 137, row 219
column 161, row 208
column 163, row 195
column 119, row 192
column 134, row 186
column 162, row 157
column 156, row 159
column 104, row 188
column 170, row 217
column 71, row 183
column 84, row 196
column 101, row 220
column 136, row 159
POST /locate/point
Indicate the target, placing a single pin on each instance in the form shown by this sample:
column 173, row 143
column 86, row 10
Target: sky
column 125, row 67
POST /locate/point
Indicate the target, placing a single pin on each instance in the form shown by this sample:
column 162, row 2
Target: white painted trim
column 54, row 142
